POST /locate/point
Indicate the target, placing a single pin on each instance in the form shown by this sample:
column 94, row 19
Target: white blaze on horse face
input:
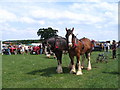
column 70, row 40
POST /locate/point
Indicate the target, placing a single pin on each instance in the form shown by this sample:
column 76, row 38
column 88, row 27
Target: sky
column 94, row 19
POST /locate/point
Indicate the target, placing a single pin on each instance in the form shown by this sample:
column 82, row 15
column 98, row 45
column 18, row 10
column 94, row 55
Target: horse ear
column 66, row 29
column 72, row 29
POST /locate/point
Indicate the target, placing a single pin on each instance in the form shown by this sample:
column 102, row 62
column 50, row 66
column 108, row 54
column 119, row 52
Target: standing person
column 106, row 47
column 34, row 51
column 106, row 50
column 114, row 49
column 22, row 49
column 101, row 47
column 38, row 50
column 29, row 49
column 41, row 49
column 9, row 50
column 15, row 49
column 18, row 49
column 26, row 49
column 12, row 50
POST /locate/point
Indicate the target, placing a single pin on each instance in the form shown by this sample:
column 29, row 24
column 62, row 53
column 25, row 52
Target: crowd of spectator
column 27, row 49
column 21, row 49
column 106, row 46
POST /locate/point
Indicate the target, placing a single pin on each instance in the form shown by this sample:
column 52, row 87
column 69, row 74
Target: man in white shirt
column 26, row 49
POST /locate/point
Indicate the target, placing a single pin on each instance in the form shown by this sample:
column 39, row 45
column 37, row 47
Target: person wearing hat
column 114, row 49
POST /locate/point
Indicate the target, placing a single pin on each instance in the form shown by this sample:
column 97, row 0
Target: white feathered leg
column 79, row 72
column 73, row 70
column 89, row 64
column 59, row 69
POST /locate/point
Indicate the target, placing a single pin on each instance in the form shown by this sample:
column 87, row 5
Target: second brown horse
column 78, row 47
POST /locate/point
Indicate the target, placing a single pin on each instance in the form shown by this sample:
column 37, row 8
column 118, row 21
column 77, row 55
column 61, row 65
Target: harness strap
column 76, row 42
column 82, row 44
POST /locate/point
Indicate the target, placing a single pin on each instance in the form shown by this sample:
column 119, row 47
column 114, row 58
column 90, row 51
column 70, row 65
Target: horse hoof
column 72, row 72
column 54, row 57
column 79, row 73
column 82, row 67
column 59, row 72
column 88, row 69
column 48, row 55
column 59, row 69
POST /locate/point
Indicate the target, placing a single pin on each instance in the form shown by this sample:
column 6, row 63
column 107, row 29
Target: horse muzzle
column 70, row 45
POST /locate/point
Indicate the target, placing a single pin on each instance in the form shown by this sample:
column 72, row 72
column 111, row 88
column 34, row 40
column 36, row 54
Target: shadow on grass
column 48, row 72
column 114, row 73
column 50, row 58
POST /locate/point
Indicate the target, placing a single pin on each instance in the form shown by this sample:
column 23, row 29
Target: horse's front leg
column 73, row 70
column 89, row 64
column 59, row 67
column 79, row 72
column 59, row 60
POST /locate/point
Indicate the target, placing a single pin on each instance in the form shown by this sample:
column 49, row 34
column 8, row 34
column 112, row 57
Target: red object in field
column 35, row 48
column 75, row 44
column 12, row 49
column 56, row 46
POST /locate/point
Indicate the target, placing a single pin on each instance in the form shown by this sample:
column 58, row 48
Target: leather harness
column 76, row 42
column 82, row 44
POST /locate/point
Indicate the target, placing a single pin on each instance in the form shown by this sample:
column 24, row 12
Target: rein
column 75, row 44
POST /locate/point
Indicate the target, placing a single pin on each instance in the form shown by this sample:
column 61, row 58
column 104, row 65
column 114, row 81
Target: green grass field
column 37, row 71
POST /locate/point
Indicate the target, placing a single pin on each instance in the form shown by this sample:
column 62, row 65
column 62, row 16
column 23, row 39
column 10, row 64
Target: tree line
column 44, row 33
column 21, row 41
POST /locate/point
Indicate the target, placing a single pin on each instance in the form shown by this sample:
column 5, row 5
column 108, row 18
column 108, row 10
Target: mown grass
column 37, row 71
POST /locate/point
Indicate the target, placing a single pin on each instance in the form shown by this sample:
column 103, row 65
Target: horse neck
column 74, row 39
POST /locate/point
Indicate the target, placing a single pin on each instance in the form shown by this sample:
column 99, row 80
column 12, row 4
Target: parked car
column 97, row 48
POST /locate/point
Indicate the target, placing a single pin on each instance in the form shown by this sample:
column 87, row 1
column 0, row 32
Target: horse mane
column 56, row 37
column 59, row 37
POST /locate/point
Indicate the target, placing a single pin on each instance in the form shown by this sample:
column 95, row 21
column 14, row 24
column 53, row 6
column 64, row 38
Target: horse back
column 58, row 43
column 87, row 44
column 61, row 43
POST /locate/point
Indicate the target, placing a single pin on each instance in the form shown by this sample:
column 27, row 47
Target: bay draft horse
column 57, row 44
column 77, row 48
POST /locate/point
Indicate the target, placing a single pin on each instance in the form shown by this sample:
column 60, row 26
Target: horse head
column 70, row 37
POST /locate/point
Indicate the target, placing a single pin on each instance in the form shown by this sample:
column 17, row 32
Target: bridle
column 72, row 40
column 73, row 43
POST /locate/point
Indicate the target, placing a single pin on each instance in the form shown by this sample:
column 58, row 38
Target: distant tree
column 46, row 33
